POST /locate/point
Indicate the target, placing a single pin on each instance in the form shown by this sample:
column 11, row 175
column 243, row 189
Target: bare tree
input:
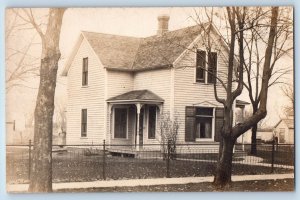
column 21, row 66
column 41, row 168
column 254, row 40
column 288, row 91
column 238, row 29
column 168, row 133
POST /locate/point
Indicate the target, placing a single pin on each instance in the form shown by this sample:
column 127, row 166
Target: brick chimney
column 163, row 24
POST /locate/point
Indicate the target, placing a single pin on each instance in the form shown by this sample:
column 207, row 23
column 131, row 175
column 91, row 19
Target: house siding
column 159, row 82
column 187, row 92
column 117, row 83
column 90, row 97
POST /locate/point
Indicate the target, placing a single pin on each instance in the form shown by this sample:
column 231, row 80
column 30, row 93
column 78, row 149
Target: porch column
column 110, row 124
column 138, row 111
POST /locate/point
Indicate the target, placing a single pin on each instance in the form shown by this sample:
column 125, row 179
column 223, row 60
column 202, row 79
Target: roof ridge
column 112, row 34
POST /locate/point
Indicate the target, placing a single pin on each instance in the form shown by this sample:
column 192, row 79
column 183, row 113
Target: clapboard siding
column 159, row 82
column 89, row 97
column 187, row 92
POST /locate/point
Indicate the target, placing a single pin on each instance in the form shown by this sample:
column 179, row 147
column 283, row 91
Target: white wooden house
column 118, row 87
column 284, row 131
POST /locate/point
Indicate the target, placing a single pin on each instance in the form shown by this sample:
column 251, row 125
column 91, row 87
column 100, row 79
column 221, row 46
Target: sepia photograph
column 149, row 99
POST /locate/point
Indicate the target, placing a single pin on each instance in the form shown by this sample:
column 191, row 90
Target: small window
column 120, row 127
column 200, row 66
column 152, row 122
column 83, row 122
column 85, row 64
column 204, row 117
column 206, row 71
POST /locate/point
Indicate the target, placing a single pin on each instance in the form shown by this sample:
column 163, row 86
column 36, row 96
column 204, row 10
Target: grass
column 75, row 166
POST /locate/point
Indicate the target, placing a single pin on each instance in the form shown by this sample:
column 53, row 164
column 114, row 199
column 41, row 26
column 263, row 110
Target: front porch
column 133, row 121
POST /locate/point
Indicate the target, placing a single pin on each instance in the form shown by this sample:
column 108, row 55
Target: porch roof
column 137, row 96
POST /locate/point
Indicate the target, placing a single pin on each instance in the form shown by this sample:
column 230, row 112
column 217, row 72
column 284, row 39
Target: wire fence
column 75, row 163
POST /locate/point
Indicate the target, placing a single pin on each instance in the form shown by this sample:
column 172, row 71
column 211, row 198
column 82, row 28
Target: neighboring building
column 118, row 86
column 284, row 131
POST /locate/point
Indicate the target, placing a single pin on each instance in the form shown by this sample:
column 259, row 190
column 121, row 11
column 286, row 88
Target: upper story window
column 85, row 63
column 206, row 66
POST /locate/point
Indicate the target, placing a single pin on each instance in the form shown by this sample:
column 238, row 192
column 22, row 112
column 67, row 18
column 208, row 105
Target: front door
column 141, row 127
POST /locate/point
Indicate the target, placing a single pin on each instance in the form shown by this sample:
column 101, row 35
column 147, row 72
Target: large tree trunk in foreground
column 41, row 168
column 224, row 165
column 229, row 133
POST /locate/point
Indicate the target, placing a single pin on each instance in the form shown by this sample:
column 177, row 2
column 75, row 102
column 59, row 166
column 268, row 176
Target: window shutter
column 219, row 121
column 212, row 67
column 190, row 133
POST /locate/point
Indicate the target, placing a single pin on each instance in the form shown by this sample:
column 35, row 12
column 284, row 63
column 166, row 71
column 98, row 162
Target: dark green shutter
column 219, row 121
column 190, row 133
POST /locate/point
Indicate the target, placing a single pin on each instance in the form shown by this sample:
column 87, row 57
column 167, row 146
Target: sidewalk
column 18, row 188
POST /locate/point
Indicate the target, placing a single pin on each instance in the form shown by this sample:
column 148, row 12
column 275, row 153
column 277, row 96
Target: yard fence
column 100, row 162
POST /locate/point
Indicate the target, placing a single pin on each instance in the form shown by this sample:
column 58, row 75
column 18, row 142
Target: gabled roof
column 288, row 122
column 136, row 54
column 137, row 95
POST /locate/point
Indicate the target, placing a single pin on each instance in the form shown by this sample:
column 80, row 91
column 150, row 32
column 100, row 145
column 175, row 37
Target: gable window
column 85, row 63
column 83, row 122
column 206, row 71
column 204, row 117
column 152, row 122
column 120, row 127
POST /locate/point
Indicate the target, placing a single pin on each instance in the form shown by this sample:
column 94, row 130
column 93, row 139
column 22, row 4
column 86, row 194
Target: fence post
column 273, row 156
column 29, row 160
column 168, row 158
column 103, row 165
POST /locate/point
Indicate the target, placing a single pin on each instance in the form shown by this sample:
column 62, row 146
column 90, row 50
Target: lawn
column 76, row 166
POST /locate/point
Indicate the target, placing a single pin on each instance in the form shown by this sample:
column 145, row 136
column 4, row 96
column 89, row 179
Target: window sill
column 84, row 86
column 204, row 140
column 201, row 83
column 151, row 138
column 120, row 138
column 84, row 138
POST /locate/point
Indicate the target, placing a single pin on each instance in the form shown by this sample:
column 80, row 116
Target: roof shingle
column 137, row 95
column 135, row 54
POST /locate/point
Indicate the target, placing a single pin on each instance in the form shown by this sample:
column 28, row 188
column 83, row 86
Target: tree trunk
column 41, row 168
column 253, row 140
column 224, row 165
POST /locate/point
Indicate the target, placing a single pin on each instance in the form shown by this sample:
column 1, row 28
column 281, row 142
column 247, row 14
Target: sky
column 119, row 21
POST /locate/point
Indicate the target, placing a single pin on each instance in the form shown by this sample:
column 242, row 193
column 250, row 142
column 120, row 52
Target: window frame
column 85, row 71
column 212, row 123
column 114, row 122
column 206, row 67
column 148, row 125
column 84, row 123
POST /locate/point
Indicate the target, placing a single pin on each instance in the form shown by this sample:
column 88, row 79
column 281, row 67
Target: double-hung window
column 204, row 119
column 206, row 66
column 85, row 65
